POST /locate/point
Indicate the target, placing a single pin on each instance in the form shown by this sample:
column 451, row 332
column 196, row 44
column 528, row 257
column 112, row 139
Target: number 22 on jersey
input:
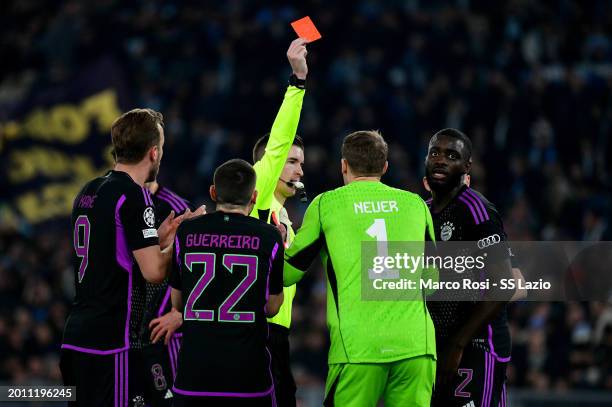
column 225, row 313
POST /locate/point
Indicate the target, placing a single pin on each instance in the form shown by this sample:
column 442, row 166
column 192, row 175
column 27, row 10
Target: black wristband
column 297, row 82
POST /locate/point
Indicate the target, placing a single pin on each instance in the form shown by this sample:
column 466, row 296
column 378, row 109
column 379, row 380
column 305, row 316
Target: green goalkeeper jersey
column 268, row 171
column 334, row 227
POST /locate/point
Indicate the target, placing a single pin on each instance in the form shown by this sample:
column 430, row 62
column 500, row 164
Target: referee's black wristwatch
column 297, row 82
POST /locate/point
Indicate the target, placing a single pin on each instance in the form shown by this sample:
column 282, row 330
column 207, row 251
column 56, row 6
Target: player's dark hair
column 234, row 181
column 260, row 146
column 457, row 135
column 366, row 152
column 134, row 133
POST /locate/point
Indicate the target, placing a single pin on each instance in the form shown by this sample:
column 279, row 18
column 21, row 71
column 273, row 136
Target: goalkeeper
column 379, row 349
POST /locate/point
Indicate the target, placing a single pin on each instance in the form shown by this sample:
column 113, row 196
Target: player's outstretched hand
column 198, row 212
column 296, row 54
column 165, row 326
column 167, row 230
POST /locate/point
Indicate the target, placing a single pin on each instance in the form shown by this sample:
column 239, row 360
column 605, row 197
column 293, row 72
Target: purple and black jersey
column 226, row 265
column 166, row 201
column 157, row 301
column 471, row 217
column 112, row 216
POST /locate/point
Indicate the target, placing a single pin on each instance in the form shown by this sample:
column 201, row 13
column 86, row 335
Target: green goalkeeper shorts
column 406, row 382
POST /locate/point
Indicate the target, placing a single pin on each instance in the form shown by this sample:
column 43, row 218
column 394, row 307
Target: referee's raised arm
column 271, row 151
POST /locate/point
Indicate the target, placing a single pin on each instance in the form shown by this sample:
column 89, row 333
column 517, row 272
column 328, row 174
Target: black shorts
column 284, row 384
column 185, row 401
column 103, row 380
column 160, row 364
column 480, row 381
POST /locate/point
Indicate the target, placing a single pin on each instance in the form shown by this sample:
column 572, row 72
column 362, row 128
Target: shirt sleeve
column 138, row 220
column 269, row 168
column 166, row 201
column 489, row 238
column 175, row 270
column 276, row 273
column 306, row 245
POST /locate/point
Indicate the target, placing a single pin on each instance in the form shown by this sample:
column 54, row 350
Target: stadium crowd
column 529, row 82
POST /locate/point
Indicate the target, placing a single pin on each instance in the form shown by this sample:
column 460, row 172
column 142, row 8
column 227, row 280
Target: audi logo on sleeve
column 488, row 241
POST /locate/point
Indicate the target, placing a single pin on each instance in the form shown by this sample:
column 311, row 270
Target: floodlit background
column 529, row 82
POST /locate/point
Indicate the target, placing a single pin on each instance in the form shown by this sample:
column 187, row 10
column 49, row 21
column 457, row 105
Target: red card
column 305, row 28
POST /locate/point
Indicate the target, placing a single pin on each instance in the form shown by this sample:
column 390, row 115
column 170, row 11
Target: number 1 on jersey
column 378, row 230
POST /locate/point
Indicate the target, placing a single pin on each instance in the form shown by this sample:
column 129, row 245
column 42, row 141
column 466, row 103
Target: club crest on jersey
column 446, row 232
column 149, row 217
column 138, row 401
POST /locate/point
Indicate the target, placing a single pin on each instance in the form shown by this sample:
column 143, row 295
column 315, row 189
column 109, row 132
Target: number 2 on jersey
column 81, row 247
column 225, row 313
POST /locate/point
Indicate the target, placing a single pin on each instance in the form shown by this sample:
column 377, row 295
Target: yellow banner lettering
column 51, row 201
column 67, row 124
column 36, row 125
column 21, row 167
column 103, row 107
column 28, row 205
